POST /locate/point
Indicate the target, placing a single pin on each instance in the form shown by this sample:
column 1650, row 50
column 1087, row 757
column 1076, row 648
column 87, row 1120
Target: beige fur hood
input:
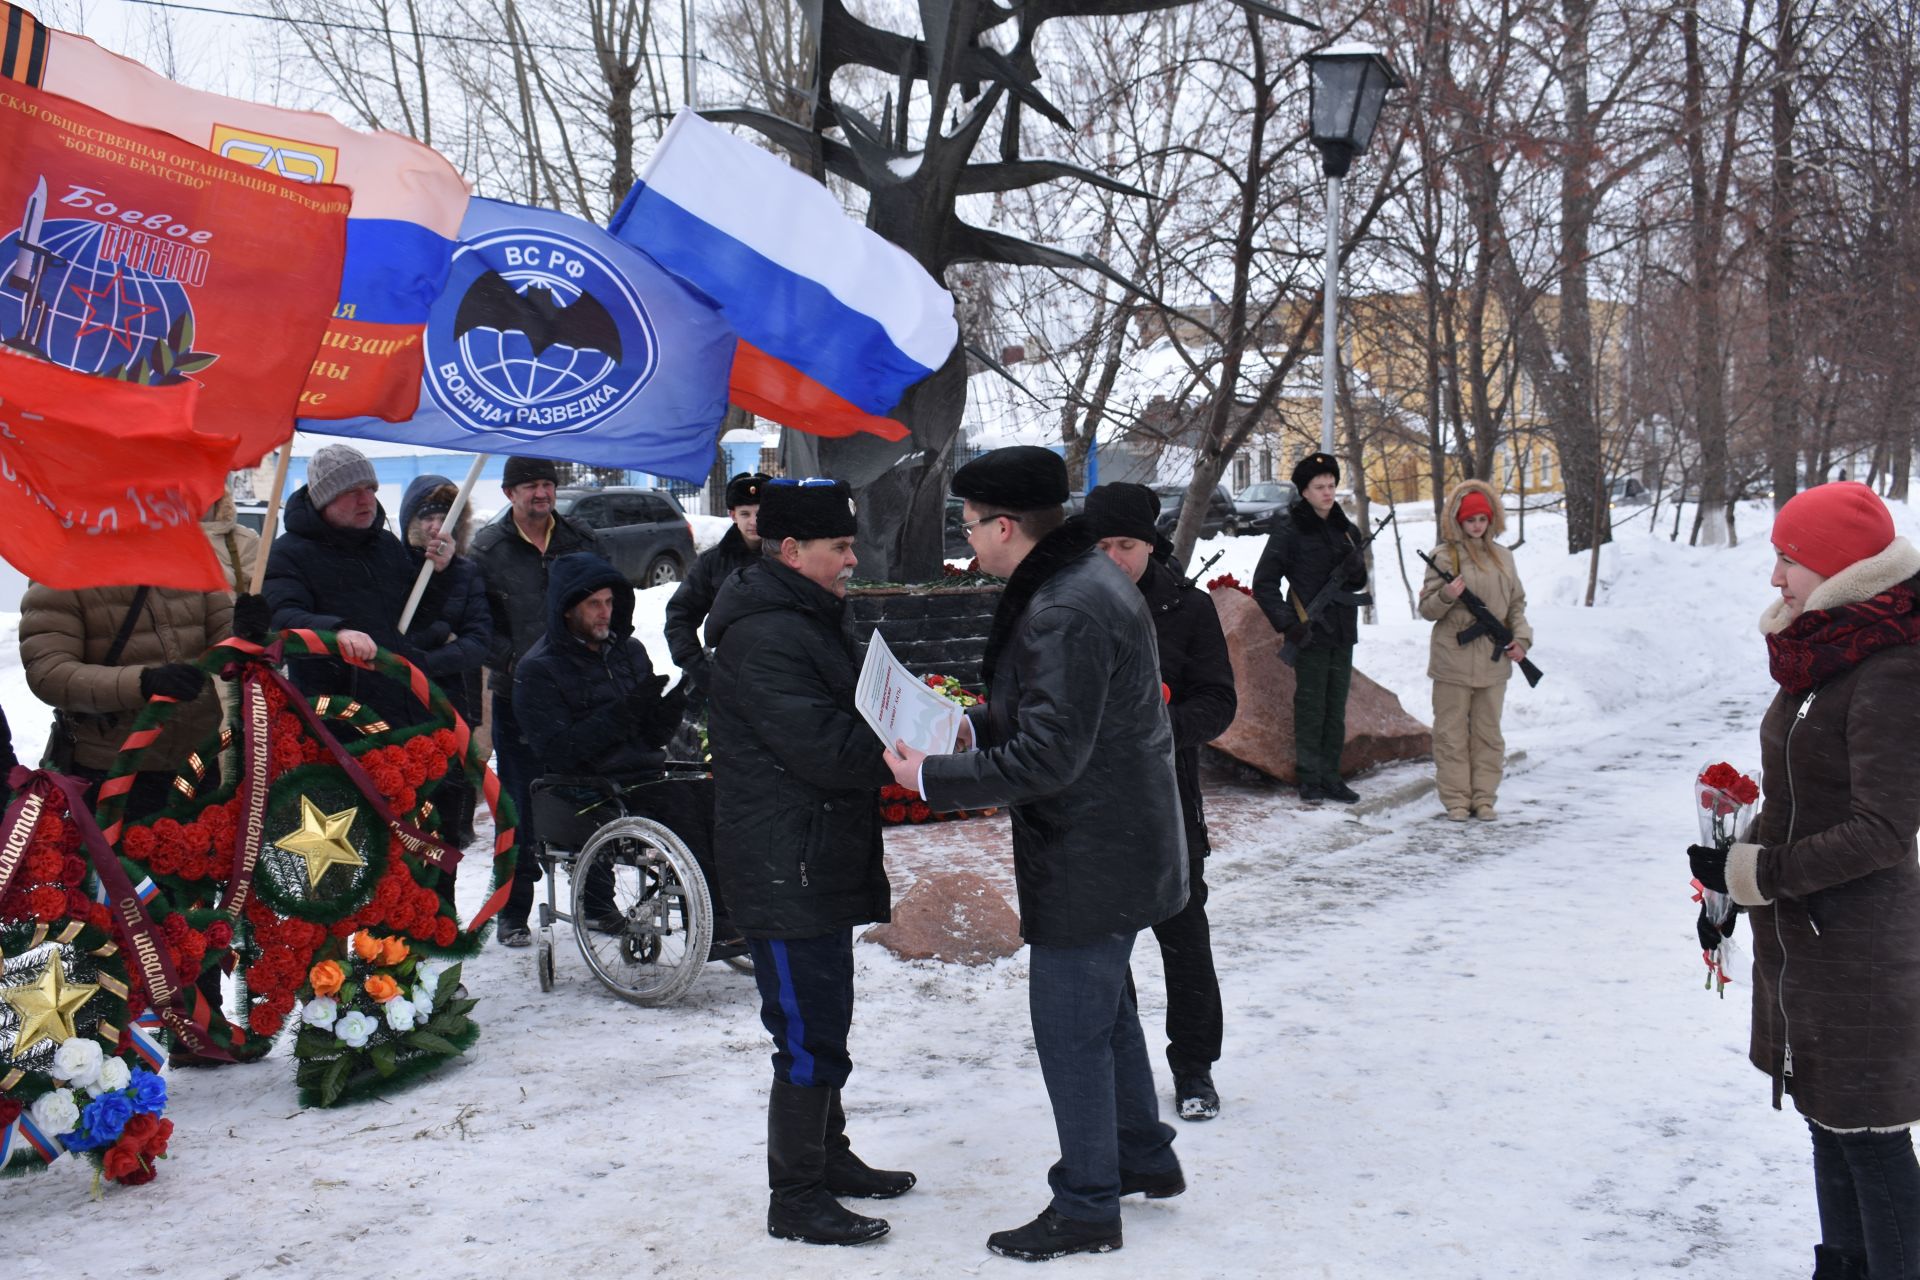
column 1449, row 515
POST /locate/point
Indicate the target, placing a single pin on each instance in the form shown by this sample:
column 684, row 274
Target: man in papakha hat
column 1197, row 678
column 514, row 553
column 1312, row 544
column 693, row 598
column 797, row 776
column 1075, row 738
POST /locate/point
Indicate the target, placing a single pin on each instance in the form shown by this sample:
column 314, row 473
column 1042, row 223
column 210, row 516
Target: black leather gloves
column 175, row 680
column 252, row 618
column 1712, row 935
column 436, row 635
column 1709, row 866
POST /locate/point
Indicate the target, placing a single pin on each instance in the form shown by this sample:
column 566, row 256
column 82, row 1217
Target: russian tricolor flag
column 835, row 323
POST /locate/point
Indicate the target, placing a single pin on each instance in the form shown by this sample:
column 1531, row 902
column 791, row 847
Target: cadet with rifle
column 1319, row 553
column 1472, row 595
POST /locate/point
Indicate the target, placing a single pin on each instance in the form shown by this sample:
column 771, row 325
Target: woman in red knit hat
column 1470, row 680
column 1830, row 877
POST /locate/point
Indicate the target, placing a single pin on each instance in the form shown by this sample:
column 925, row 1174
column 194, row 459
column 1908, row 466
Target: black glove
column 667, row 714
column 642, row 700
column 252, row 617
column 1709, row 866
column 175, row 680
column 1712, row 935
column 435, row 636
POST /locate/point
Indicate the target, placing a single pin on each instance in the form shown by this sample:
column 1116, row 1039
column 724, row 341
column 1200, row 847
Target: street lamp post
column 1349, row 84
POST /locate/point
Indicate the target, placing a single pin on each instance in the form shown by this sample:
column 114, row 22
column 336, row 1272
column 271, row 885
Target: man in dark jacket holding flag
column 1074, row 737
column 797, row 829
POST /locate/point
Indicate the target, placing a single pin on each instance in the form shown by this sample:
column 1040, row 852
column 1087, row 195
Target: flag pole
column 447, row 521
column 271, row 524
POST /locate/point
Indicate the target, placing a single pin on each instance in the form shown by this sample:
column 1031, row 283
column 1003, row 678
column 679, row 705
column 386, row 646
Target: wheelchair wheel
column 543, row 960
column 665, row 924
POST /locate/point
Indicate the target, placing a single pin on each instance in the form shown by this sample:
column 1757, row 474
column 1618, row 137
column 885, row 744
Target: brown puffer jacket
column 1832, row 882
column 64, row 638
column 1490, row 573
column 234, row 545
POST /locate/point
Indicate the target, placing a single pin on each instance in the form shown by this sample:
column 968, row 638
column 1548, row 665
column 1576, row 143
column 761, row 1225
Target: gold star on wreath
column 322, row 841
column 47, row 1007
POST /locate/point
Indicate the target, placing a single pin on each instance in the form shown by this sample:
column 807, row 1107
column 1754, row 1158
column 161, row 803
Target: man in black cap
column 797, row 829
column 1312, row 544
column 694, row 597
column 1197, row 677
column 514, row 553
column 1075, row 738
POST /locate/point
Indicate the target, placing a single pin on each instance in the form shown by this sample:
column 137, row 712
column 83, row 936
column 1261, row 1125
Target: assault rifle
column 1205, row 565
column 1329, row 594
column 1484, row 623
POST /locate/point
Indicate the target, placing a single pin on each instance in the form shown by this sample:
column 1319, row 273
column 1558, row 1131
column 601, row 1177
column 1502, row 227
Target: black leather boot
column 1831, row 1264
column 848, row 1174
column 798, row 1205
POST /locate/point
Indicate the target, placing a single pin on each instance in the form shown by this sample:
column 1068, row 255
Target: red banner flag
column 103, row 481
column 142, row 259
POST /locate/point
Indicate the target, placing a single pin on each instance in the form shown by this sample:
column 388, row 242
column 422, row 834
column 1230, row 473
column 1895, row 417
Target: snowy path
column 1451, row 1052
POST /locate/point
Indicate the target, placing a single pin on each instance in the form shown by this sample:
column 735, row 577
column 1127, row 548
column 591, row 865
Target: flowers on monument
column 1229, row 582
column 402, row 1015
column 46, row 1008
column 115, row 1074
column 55, row 1111
column 322, row 840
column 78, row 1061
column 112, row 1116
column 325, row 978
column 321, row 1011
column 1724, row 797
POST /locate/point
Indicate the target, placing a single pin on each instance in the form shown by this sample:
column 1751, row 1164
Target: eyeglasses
column 967, row 526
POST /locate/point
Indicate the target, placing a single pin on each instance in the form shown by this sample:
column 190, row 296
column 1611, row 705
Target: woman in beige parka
column 1470, row 681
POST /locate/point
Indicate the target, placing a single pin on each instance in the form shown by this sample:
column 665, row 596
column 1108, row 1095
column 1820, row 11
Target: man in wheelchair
column 591, row 706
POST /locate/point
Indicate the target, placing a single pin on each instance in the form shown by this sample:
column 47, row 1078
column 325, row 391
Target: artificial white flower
column 77, row 1061
column 320, row 1012
column 115, row 1074
column 429, row 971
column 423, row 1002
column 55, row 1111
column 400, row 1013
column 355, row 1028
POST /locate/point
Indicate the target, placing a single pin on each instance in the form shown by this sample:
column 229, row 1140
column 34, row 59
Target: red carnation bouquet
column 1724, row 799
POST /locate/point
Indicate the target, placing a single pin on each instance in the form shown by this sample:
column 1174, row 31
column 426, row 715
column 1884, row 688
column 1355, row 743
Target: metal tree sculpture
column 902, row 485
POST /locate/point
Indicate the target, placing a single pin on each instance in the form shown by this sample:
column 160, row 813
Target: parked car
column 1256, row 505
column 250, row 512
column 642, row 531
column 1220, row 517
column 1627, row 491
column 954, row 544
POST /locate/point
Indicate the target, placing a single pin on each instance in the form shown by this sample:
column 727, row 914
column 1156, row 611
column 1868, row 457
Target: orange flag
column 103, row 482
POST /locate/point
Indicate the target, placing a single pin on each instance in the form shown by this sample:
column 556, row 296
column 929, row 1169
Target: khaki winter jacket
column 1490, row 573
column 64, row 638
column 234, row 545
column 1831, row 882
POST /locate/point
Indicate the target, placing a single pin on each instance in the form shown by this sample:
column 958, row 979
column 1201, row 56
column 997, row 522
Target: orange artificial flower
column 367, row 947
column 326, row 977
column 392, row 951
column 382, row 987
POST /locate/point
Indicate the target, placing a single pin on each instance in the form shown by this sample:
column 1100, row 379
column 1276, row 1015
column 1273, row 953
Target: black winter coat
column 516, row 576
column 1195, row 668
column 573, row 702
column 693, row 599
column 1075, row 737
column 797, row 772
column 1306, row 550
column 327, row 579
column 462, row 604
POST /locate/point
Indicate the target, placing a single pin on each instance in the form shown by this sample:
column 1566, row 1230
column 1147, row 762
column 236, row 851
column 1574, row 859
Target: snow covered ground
column 1476, row 1051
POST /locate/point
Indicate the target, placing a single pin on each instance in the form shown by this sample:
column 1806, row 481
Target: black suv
column 642, row 531
column 1220, row 515
column 1262, row 502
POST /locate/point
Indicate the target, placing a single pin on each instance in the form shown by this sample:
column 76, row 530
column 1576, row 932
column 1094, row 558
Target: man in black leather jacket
column 1075, row 738
column 797, row 825
column 1197, row 678
column 1312, row 544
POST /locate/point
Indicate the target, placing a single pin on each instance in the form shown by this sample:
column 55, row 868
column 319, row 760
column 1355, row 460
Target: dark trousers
column 1321, row 675
column 515, row 763
column 806, row 1005
column 1193, row 989
column 1086, row 1029
column 1868, row 1186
